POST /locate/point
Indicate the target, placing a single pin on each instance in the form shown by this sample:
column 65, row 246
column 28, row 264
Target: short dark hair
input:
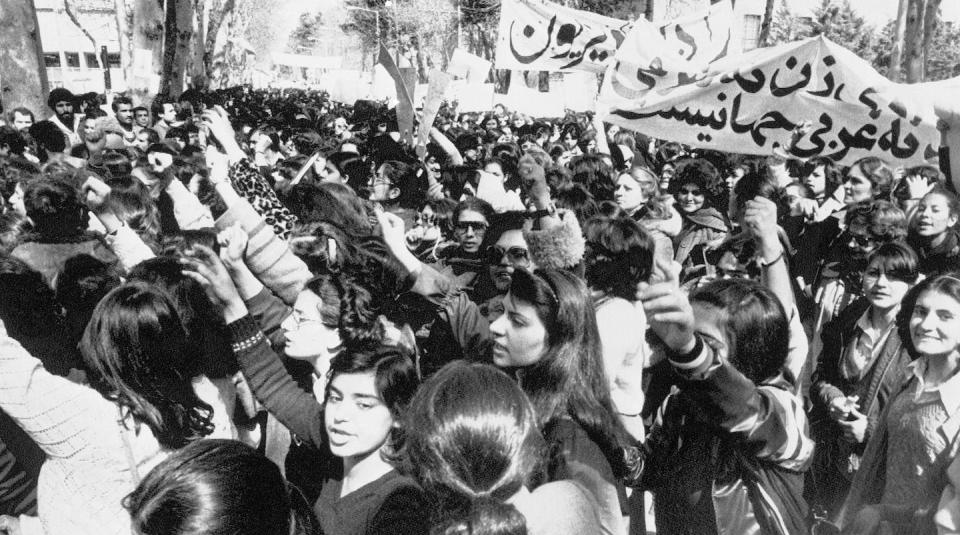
column 120, row 100
column 755, row 322
column 395, row 378
column 898, row 260
column 619, row 255
column 48, row 136
column 12, row 138
column 156, row 107
column 54, row 207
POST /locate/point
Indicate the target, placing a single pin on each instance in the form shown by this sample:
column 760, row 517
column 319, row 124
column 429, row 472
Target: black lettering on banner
column 528, row 32
column 778, row 91
column 870, row 103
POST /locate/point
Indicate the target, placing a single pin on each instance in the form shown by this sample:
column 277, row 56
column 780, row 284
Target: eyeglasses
column 694, row 192
column 475, row 226
column 862, row 240
column 516, row 256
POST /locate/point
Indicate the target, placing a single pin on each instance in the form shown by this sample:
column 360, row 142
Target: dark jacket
column 726, row 455
column 943, row 258
column 835, row 459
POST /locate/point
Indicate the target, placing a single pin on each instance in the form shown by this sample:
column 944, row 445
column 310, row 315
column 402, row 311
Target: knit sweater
column 915, row 464
column 87, row 474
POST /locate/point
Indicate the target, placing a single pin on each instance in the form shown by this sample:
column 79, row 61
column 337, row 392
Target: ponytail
column 302, row 519
column 484, row 515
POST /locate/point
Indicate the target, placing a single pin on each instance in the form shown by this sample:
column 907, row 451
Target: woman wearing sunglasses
column 462, row 260
column 703, row 224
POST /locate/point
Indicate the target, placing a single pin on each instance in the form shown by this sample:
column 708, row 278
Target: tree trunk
column 914, row 41
column 76, row 22
column 765, row 24
column 125, row 37
column 176, row 45
column 895, row 70
column 23, row 75
column 148, row 18
column 216, row 18
column 931, row 18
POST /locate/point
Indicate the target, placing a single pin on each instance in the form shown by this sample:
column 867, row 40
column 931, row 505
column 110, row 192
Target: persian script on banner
column 543, row 36
column 751, row 103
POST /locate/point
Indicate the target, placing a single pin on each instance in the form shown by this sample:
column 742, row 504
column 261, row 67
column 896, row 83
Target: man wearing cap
column 61, row 102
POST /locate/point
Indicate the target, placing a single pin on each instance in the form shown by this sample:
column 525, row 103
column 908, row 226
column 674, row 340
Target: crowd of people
column 259, row 312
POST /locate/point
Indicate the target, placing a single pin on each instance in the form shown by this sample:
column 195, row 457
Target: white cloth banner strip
column 542, row 36
column 752, row 102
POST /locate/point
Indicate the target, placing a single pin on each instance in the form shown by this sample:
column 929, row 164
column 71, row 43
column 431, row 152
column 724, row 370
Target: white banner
column 540, row 35
column 469, row 66
column 751, row 103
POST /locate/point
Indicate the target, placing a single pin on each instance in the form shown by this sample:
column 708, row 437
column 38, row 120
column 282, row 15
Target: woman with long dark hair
column 547, row 335
column 103, row 439
column 218, row 487
column 471, row 412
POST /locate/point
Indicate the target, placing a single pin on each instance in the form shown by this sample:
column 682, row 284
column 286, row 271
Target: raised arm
column 271, row 383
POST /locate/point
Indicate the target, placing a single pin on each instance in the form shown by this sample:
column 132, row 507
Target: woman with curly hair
column 693, row 188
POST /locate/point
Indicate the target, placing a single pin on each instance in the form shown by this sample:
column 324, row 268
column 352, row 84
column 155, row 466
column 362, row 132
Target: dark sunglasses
column 516, row 256
column 862, row 240
column 475, row 226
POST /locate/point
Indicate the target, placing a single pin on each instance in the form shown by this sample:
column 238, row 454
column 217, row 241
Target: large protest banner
column 543, row 36
column 751, row 103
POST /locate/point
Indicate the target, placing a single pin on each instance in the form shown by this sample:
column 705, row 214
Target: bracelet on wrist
column 766, row 264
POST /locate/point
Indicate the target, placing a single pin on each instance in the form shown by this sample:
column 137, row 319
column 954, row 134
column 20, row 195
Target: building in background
column 71, row 58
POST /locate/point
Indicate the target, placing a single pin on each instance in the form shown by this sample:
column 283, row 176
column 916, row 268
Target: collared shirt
column 864, row 349
column 948, row 392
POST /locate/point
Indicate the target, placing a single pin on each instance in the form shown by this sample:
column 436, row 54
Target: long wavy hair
column 472, row 442
column 569, row 380
column 136, row 351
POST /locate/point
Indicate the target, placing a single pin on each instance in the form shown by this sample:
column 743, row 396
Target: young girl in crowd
column 218, row 487
column 861, row 366
column 467, row 412
column 359, row 421
column 933, row 232
column 728, row 448
column 904, row 469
